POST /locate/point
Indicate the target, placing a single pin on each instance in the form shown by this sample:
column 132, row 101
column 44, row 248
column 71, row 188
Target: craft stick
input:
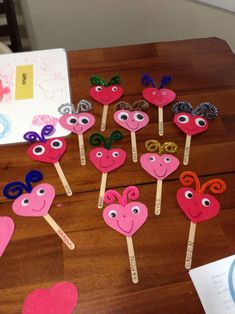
column 158, row 197
column 187, row 150
column 59, row 231
column 102, row 190
column 104, row 118
column 132, row 261
column 160, row 121
column 134, row 147
column 189, row 253
column 81, row 149
column 63, row 179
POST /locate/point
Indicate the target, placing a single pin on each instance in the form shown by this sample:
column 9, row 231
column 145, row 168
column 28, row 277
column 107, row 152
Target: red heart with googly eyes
column 159, row 97
column 35, row 204
column 197, row 207
column 131, row 120
column 191, row 124
column 106, row 95
column 51, row 151
column 77, row 123
column 107, row 160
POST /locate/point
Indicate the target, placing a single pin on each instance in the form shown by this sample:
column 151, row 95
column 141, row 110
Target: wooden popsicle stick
column 102, row 190
column 134, row 147
column 158, row 197
column 59, row 231
column 160, row 121
column 187, row 150
column 104, row 118
column 190, row 245
column 132, row 261
column 63, row 179
column 81, row 149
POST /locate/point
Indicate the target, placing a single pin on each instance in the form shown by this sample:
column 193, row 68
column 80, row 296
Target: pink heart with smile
column 61, row 298
column 35, row 204
column 159, row 97
column 106, row 95
column 6, row 230
column 131, row 120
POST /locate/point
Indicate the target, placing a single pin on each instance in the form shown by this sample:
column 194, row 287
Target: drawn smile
column 132, row 127
column 157, row 175
column 126, row 231
column 194, row 216
column 38, row 210
column 107, row 166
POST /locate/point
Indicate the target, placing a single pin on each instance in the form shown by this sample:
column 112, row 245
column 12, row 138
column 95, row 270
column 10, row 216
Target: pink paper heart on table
column 77, row 123
column 6, row 230
column 106, row 95
column 159, row 97
column 35, row 204
column 159, row 166
column 61, row 298
column 131, row 120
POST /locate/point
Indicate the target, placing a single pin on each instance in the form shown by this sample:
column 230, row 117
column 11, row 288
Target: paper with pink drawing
column 7, row 227
column 32, row 85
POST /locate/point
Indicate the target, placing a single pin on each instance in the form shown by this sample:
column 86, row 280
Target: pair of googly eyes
column 25, row 202
column 100, row 88
column 123, row 116
column 100, row 154
column 205, row 201
column 185, row 119
column 40, row 149
column 81, row 120
column 113, row 213
column 166, row 159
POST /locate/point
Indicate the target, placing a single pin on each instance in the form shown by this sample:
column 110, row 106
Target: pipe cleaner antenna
column 206, row 110
column 148, row 80
column 32, row 136
column 131, row 193
column 115, row 135
column 66, row 108
column 115, row 80
column 155, row 146
column 96, row 80
column 187, row 178
column 182, row 106
column 166, row 79
column 96, row 139
column 111, row 195
column 217, row 186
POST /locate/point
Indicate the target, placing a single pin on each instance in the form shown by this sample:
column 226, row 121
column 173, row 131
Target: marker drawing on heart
column 196, row 205
column 36, row 202
column 105, row 94
column 159, row 97
column 126, row 219
column 106, row 159
column 159, row 165
column 61, row 298
column 49, row 151
column 132, row 118
column 77, row 121
column 193, row 121
column 7, row 227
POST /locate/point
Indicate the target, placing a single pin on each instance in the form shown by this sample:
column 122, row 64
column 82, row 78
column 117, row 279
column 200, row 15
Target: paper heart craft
column 7, row 227
column 61, row 298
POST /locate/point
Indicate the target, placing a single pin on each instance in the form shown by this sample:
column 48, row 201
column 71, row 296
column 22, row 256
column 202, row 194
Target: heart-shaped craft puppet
column 36, row 203
column 159, row 97
column 106, row 95
column 77, row 123
column 131, row 120
column 158, row 166
column 61, row 298
column 6, row 230
column 191, row 124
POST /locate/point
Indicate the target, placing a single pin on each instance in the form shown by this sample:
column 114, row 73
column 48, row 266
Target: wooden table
column 203, row 70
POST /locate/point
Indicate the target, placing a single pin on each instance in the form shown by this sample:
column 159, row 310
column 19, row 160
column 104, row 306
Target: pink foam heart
column 197, row 207
column 131, row 120
column 106, row 95
column 35, row 204
column 6, row 230
column 61, row 298
column 158, row 166
column 159, row 97
column 77, row 123
column 190, row 124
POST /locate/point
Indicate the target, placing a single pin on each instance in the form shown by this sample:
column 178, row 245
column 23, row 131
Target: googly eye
column 71, row 120
column 25, row 202
column 38, row 150
column 167, row 159
column 206, row 202
column 135, row 210
column 40, row 192
column 154, row 93
column 183, row 118
column 98, row 88
column 138, row 117
column 112, row 213
column 56, row 144
column 200, row 122
column 115, row 154
column 114, row 88
column 123, row 116
column 152, row 158
column 99, row 154
column 83, row 120
column 188, row 194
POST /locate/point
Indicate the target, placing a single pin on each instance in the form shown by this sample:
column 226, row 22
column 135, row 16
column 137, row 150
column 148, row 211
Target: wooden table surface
column 203, row 70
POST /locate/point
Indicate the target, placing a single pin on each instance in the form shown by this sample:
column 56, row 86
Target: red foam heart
column 191, row 124
column 106, row 95
column 159, row 97
column 61, row 298
column 6, row 230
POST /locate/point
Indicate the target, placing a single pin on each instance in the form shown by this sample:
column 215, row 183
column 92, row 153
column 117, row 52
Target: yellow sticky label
column 24, row 82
